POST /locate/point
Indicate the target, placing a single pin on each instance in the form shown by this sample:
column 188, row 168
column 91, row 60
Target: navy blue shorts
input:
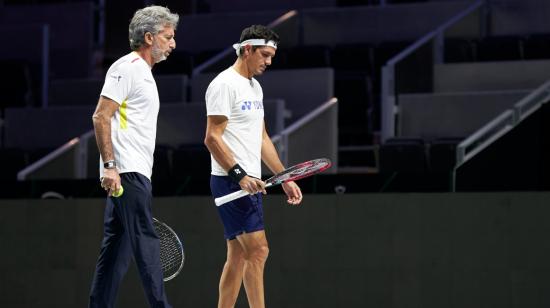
column 244, row 215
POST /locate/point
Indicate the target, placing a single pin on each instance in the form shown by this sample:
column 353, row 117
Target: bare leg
column 255, row 254
column 232, row 275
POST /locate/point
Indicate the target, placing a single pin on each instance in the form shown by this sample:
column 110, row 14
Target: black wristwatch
column 110, row 164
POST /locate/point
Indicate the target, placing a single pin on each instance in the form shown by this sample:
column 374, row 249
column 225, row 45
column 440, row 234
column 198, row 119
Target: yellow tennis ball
column 118, row 193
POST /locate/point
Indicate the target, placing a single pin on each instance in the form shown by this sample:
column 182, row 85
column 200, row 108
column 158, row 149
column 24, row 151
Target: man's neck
column 145, row 54
column 241, row 68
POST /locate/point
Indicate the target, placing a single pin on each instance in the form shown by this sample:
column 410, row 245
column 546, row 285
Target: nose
column 173, row 44
column 268, row 61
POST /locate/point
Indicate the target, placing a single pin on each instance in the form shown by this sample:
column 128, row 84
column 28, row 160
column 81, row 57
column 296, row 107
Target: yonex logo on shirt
column 229, row 95
column 247, row 105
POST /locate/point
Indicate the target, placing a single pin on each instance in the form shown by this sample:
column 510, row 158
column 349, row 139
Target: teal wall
column 371, row 250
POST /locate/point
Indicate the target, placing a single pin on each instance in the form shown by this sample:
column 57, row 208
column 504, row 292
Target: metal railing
column 281, row 19
column 72, row 158
column 499, row 126
column 321, row 124
column 389, row 108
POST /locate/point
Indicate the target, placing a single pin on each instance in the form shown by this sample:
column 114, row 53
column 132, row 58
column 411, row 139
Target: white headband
column 253, row 42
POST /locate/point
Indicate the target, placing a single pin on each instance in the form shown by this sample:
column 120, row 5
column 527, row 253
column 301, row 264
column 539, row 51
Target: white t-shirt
column 240, row 100
column 130, row 83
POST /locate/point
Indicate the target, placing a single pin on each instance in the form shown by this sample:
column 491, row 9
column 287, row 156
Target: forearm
column 220, row 151
column 270, row 157
column 102, row 129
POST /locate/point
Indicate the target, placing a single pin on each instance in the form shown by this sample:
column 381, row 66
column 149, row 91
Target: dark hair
column 259, row 32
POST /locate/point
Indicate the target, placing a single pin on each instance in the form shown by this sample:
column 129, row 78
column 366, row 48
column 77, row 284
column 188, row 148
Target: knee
column 235, row 261
column 235, row 258
column 258, row 254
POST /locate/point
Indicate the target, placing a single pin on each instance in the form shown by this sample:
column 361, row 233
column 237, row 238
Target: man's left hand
column 293, row 193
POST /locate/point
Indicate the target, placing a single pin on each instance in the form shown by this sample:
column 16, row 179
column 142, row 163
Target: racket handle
column 230, row 197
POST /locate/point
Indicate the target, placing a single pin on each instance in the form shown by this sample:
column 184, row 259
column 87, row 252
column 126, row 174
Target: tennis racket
column 172, row 256
column 293, row 173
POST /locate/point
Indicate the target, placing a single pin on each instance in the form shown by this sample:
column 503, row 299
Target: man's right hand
column 110, row 181
column 252, row 185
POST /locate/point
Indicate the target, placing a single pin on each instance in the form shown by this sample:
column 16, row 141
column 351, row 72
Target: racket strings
column 302, row 170
column 171, row 250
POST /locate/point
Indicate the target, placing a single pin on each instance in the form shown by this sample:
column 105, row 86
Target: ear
column 148, row 38
column 247, row 49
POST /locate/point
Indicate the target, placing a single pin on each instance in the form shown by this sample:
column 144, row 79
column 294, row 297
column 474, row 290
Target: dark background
column 390, row 236
column 377, row 250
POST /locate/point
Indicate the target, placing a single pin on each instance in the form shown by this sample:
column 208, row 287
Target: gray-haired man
column 125, row 123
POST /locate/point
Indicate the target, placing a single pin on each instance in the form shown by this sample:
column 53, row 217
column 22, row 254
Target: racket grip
column 230, row 197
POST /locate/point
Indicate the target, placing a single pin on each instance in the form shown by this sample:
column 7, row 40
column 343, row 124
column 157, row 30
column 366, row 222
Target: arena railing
column 69, row 161
column 315, row 135
column 391, row 80
column 499, row 126
column 229, row 50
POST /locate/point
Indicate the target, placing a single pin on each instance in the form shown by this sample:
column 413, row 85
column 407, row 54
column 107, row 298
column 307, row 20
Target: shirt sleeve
column 118, row 83
column 219, row 98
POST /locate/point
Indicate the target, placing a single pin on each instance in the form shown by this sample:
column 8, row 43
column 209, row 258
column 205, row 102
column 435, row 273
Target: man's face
column 163, row 44
column 259, row 59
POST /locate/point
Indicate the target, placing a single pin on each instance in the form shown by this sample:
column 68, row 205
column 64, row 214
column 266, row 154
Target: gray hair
column 150, row 19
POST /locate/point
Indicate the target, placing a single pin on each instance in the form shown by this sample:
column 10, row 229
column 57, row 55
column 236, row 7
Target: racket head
column 172, row 256
column 300, row 171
